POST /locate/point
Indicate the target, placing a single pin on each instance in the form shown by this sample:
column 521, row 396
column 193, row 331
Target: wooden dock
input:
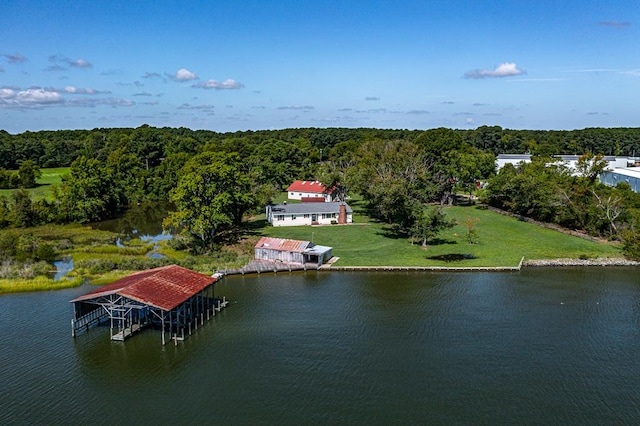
column 265, row 266
column 128, row 332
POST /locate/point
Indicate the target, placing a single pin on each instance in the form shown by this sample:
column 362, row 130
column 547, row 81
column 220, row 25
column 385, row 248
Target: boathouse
column 171, row 298
column 292, row 251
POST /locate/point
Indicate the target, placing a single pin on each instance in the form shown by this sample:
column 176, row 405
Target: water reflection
column 143, row 221
column 62, row 267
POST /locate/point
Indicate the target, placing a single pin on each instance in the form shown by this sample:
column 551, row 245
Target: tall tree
column 28, row 173
column 429, row 223
column 212, row 195
column 88, row 193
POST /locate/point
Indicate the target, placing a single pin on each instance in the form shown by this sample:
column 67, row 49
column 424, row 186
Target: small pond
column 143, row 222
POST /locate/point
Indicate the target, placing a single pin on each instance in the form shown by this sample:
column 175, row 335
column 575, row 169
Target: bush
column 631, row 244
column 27, row 270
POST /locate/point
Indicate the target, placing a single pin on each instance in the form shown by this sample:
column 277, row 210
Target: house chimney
column 342, row 216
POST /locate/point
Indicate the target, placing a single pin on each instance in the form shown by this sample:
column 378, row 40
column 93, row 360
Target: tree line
column 214, row 179
column 61, row 147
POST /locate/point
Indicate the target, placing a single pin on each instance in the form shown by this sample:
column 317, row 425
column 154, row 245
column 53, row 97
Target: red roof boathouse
column 171, row 298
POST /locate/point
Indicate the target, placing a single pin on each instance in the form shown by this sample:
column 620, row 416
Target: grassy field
column 43, row 190
column 502, row 241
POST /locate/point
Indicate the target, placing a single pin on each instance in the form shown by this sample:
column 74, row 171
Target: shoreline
column 605, row 261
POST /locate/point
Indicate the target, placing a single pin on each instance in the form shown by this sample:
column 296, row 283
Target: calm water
column 543, row 346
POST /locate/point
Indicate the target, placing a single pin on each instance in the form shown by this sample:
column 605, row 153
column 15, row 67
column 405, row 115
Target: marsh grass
column 499, row 241
column 39, row 283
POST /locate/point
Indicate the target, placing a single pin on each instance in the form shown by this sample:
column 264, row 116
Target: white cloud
column 93, row 102
column 37, row 97
column 189, row 106
column 506, row 69
column 60, row 63
column 184, row 75
column 81, row 91
column 615, row 24
column 30, row 98
column 213, row 84
column 80, row 63
column 151, row 75
column 371, row 98
column 297, row 107
column 6, row 93
column 15, row 58
column 635, row 73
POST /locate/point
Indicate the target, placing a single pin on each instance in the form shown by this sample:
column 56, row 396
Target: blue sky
column 252, row 65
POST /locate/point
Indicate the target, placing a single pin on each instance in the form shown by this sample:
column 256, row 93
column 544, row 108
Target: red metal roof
column 279, row 244
column 165, row 287
column 310, row 186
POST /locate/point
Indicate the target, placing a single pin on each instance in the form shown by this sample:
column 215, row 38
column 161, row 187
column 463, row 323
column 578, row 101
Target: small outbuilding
column 292, row 251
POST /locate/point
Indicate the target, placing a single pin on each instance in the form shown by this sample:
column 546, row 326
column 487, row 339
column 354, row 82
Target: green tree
column 212, row 195
column 129, row 174
column 429, row 223
column 590, row 166
column 22, row 209
column 631, row 244
column 392, row 176
column 88, row 193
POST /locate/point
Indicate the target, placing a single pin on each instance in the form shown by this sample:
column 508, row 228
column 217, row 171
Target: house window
column 279, row 217
column 293, row 217
column 291, row 194
column 306, row 216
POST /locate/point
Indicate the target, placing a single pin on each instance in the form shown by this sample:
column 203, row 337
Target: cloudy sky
column 248, row 64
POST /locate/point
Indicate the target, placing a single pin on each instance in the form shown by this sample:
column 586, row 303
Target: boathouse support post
column 163, row 342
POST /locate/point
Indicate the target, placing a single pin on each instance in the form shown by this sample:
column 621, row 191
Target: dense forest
column 59, row 148
column 215, row 179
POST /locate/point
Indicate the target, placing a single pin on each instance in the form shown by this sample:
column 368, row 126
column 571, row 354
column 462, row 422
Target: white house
column 309, row 214
column 308, row 189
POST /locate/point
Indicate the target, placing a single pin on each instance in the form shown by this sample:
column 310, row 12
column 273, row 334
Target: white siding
column 301, row 219
column 293, row 195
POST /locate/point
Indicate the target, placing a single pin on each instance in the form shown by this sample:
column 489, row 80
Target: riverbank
column 609, row 261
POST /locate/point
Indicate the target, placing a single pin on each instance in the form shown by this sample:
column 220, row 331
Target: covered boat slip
column 171, row 298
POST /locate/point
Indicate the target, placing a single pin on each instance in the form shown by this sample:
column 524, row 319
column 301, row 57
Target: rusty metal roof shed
column 294, row 246
column 164, row 288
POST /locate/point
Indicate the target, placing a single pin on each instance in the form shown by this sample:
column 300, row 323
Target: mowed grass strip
column 501, row 241
column 49, row 177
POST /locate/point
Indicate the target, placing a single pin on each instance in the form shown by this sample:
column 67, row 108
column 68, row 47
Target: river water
column 540, row 346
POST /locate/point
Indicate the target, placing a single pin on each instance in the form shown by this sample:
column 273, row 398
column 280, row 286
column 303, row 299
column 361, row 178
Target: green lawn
column 49, row 177
column 502, row 241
